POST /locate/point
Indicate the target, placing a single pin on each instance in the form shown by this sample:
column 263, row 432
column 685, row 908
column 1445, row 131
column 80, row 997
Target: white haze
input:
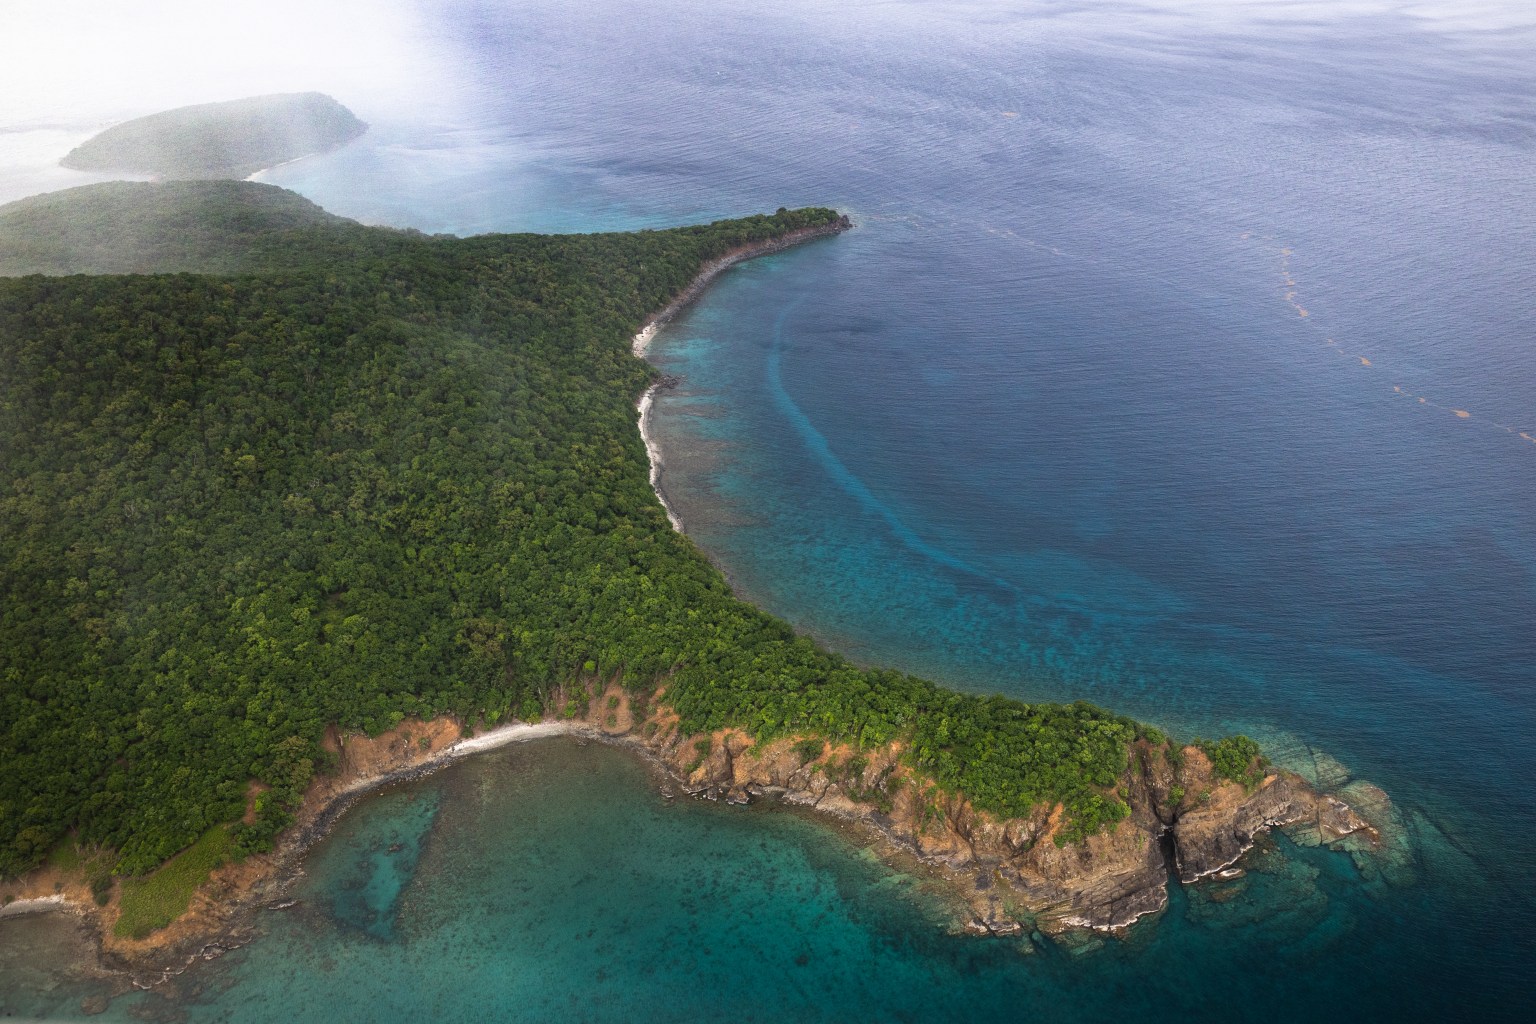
column 69, row 68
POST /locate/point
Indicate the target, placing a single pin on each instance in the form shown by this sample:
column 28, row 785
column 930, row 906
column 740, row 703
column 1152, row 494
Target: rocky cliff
column 1185, row 821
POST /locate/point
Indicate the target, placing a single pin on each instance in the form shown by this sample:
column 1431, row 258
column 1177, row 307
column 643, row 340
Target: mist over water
column 1141, row 380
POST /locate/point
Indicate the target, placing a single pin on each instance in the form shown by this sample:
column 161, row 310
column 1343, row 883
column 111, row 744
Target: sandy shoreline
column 653, row 450
column 338, row 800
column 221, row 921
column 39, row 905
column 712, row 269
column 515, row 732
column 642, row 341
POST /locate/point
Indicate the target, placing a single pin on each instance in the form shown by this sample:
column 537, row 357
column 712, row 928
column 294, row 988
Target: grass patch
column 65, row 856
column 153, row 901
column 93, row 864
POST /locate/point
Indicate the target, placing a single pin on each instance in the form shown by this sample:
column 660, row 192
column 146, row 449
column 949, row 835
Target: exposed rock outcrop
column 1220, row 824
column 1185, row 823
column 1014, row 867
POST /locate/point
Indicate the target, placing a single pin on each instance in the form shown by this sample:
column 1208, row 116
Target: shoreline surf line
column 653, row 453
column 713, row 268
column 648, row 330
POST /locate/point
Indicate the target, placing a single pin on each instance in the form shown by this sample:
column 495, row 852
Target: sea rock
column 1106, row 882
column 1330, row 773
column 1221, row 825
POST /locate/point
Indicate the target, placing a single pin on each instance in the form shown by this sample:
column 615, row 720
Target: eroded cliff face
column 1185, row 823
column 1010, row 869
column 1217, row 820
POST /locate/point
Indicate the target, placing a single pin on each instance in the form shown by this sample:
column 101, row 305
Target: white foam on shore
column 652, row 450
column 643, row 339
column 34, row 906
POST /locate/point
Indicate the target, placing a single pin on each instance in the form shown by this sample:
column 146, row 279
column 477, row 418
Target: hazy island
column 234, row 139
column 276, row 532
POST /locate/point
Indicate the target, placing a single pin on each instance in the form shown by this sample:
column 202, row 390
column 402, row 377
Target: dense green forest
column 122, row 227
column 377, row 474
column 233, row 139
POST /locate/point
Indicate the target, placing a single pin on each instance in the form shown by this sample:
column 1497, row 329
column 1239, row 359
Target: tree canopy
column 374, row 474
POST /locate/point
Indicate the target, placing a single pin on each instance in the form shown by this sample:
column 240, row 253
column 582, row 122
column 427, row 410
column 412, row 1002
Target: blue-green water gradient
column 1141, row 379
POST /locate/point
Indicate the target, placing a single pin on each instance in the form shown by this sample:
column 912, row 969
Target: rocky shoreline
column 1010, row 873
column 1186, row 824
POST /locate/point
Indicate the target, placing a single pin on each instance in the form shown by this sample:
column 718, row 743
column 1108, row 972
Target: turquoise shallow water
column 552, row 880
column 1051, row 422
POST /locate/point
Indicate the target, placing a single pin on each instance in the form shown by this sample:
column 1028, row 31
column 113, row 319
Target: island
column 234, row 139
column 352, row 501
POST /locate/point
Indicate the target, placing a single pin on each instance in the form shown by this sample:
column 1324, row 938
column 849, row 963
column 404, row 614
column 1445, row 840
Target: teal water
column 554, row 881
column 1050, row 422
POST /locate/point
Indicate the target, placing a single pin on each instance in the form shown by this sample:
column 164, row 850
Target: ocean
column 1181, row 360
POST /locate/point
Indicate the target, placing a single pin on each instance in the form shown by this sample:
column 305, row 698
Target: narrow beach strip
column 39, row 905
column 653, row 450
column 514, row 732
column 501, row 736
column 707, row 273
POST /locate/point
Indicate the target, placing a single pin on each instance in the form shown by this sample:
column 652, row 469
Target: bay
column 1139, row 381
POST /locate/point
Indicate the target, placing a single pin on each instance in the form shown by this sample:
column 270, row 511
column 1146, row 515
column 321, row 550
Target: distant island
column 220, row 140
column 273, row 533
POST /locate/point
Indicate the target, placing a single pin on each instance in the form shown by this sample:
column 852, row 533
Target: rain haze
column 70, row 69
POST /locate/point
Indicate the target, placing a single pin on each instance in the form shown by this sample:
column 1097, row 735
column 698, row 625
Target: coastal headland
column 556, row 599
column 1187, row 824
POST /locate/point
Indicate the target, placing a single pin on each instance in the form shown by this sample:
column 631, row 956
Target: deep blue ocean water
column 1140, row 380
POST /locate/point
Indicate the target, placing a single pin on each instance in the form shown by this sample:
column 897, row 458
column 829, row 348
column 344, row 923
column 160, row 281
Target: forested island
column 361, row 482
column 233, row 139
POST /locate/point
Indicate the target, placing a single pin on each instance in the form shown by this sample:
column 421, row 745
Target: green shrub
column 153, row 901
column 809, row 749
column 854, row 768
column 1236, row 758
